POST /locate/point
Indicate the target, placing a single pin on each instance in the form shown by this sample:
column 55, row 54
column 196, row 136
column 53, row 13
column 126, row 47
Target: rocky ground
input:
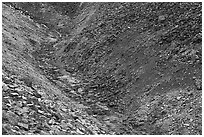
column 31, row 103
column 121, row 68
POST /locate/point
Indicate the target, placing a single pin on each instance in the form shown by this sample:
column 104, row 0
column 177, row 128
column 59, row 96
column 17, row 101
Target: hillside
column 104, row 68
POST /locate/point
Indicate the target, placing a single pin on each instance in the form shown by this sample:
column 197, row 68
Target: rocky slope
column 122, row 68
column 31, row 103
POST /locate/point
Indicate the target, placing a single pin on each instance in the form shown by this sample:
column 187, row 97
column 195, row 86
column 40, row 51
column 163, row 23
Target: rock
column 28, row 81
column 24, row 110
column 12, row 117
column 162, row 17
column 44, row 133
column 19, row 89
column 69, row 79
column 79, row 131
column 186, row 125
column 24, row 98
column 13, row 86
column 72, row 91
column 19, row 104
column 4, row 86
column 80, row 90
column 37, row 95
column 55, row 128
column 178, row 98
column 64, row 109
column 6, row 80
column 23, row 125
column 4, row 130
column 198, row 84
column 14, row 94
column 30, row 104
column 42, row 112
column 51, row 121
column 25, row 120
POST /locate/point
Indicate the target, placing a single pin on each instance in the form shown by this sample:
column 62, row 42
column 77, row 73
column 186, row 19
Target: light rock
column 72, row 91
column 162, row 17
column 79, row 131
column 23, row 125
column 13, row 86
column 4, row 86
column 178, row 98
column 80, row 90
column 52, row 40
column 69, row 79
column 14, row 94
column 186, row 124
